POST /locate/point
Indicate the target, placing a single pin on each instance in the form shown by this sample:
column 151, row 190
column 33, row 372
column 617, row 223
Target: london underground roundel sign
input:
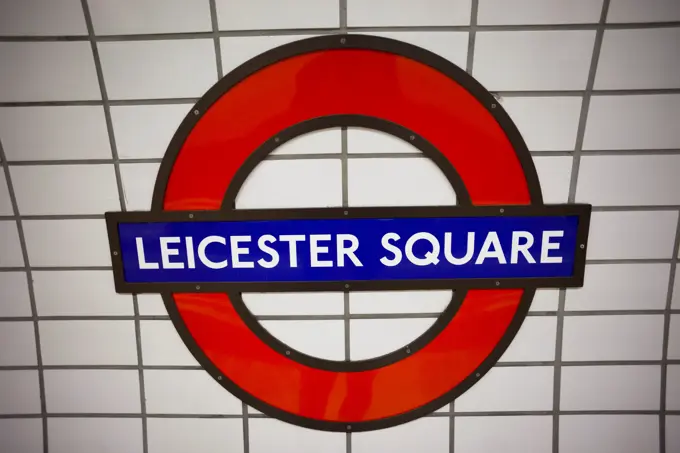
column 494, row 248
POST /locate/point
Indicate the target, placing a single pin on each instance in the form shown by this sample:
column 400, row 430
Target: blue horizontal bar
column 350, row 249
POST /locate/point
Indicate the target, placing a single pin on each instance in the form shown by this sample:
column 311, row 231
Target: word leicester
column 340, row 250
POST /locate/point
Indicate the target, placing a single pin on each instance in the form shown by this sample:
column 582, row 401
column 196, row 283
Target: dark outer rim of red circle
column 367, row 43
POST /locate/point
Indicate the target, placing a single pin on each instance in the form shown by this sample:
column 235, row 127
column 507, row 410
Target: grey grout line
column 344, row 156
column 344, row 317
column 306, row 31
column 580, row 134
column 499, row 94
column 666, row 340
column 262, row 416
column 622, row 208
column 246, row 427
column 157, row 160
column 108, row 268
column 121, row 196
column 529, row 364
column 469, row 63
column 31, row 297
column 216, row 39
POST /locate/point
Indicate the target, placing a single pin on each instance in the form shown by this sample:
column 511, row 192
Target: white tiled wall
column 91, row 92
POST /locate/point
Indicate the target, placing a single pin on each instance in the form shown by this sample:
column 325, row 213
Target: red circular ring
column 373, row 77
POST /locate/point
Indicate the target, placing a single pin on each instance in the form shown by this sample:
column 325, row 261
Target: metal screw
column 582, row 246
column 349, row 427
column 343, row 40
column 195, row 112
column 408, row 350
column 219, row 378
column 115, row 253
column 287, row 352
column 493, row 106
column 412, row 137
column 277, row 139
column 477, row 375
column 198, row 286
column 502, row 210
column 346, row 212
column 346, row 286
column 191, row 216
column 498, row 283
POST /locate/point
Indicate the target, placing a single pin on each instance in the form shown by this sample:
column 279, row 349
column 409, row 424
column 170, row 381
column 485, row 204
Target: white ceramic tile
column 124, row 17
column 268, row 15
column 609, row 433
column 22, row 435
column 54, row 133
column 158, row 69
column 269, row 435
column 610, row 388
column 291, row 184
column 18, row 340
column 369, row 141
column 236, row 50
column 365, row 302
column 47, row 71
column 510, row 389
column 672, row 433
column 9, row 244
column 75, row 435
column 187, row 392
column 151, row 305
column 5, row 201
column 15, row 299
column 654, row 177
column 20, row 392
column 67, row 242
column 425, row 434
column 42, row 18
column 88, row 342
column 368, row 13
column 674, row 338
column 535, row 341
column 621, row 287
column 673, row 388
column 138, row 184
column 65, row 189
column 533, row 60
column 144, row 131
column 327, row 141
column 315, row 303
column 629, row 180
column 554, row 175
column 529, row 12
column 546, row 123
column 451, row 45
column 202, row 435
column 509, row 434
column 162, row 345
column 371, row 338
column 323, row 339
column 92, row 391
column 633, row 122
column 632, row 235
column 650, row 11
column 634, row 59
column 545, row 300
column 403, row 182
column 79, row 293
column 622, row 337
